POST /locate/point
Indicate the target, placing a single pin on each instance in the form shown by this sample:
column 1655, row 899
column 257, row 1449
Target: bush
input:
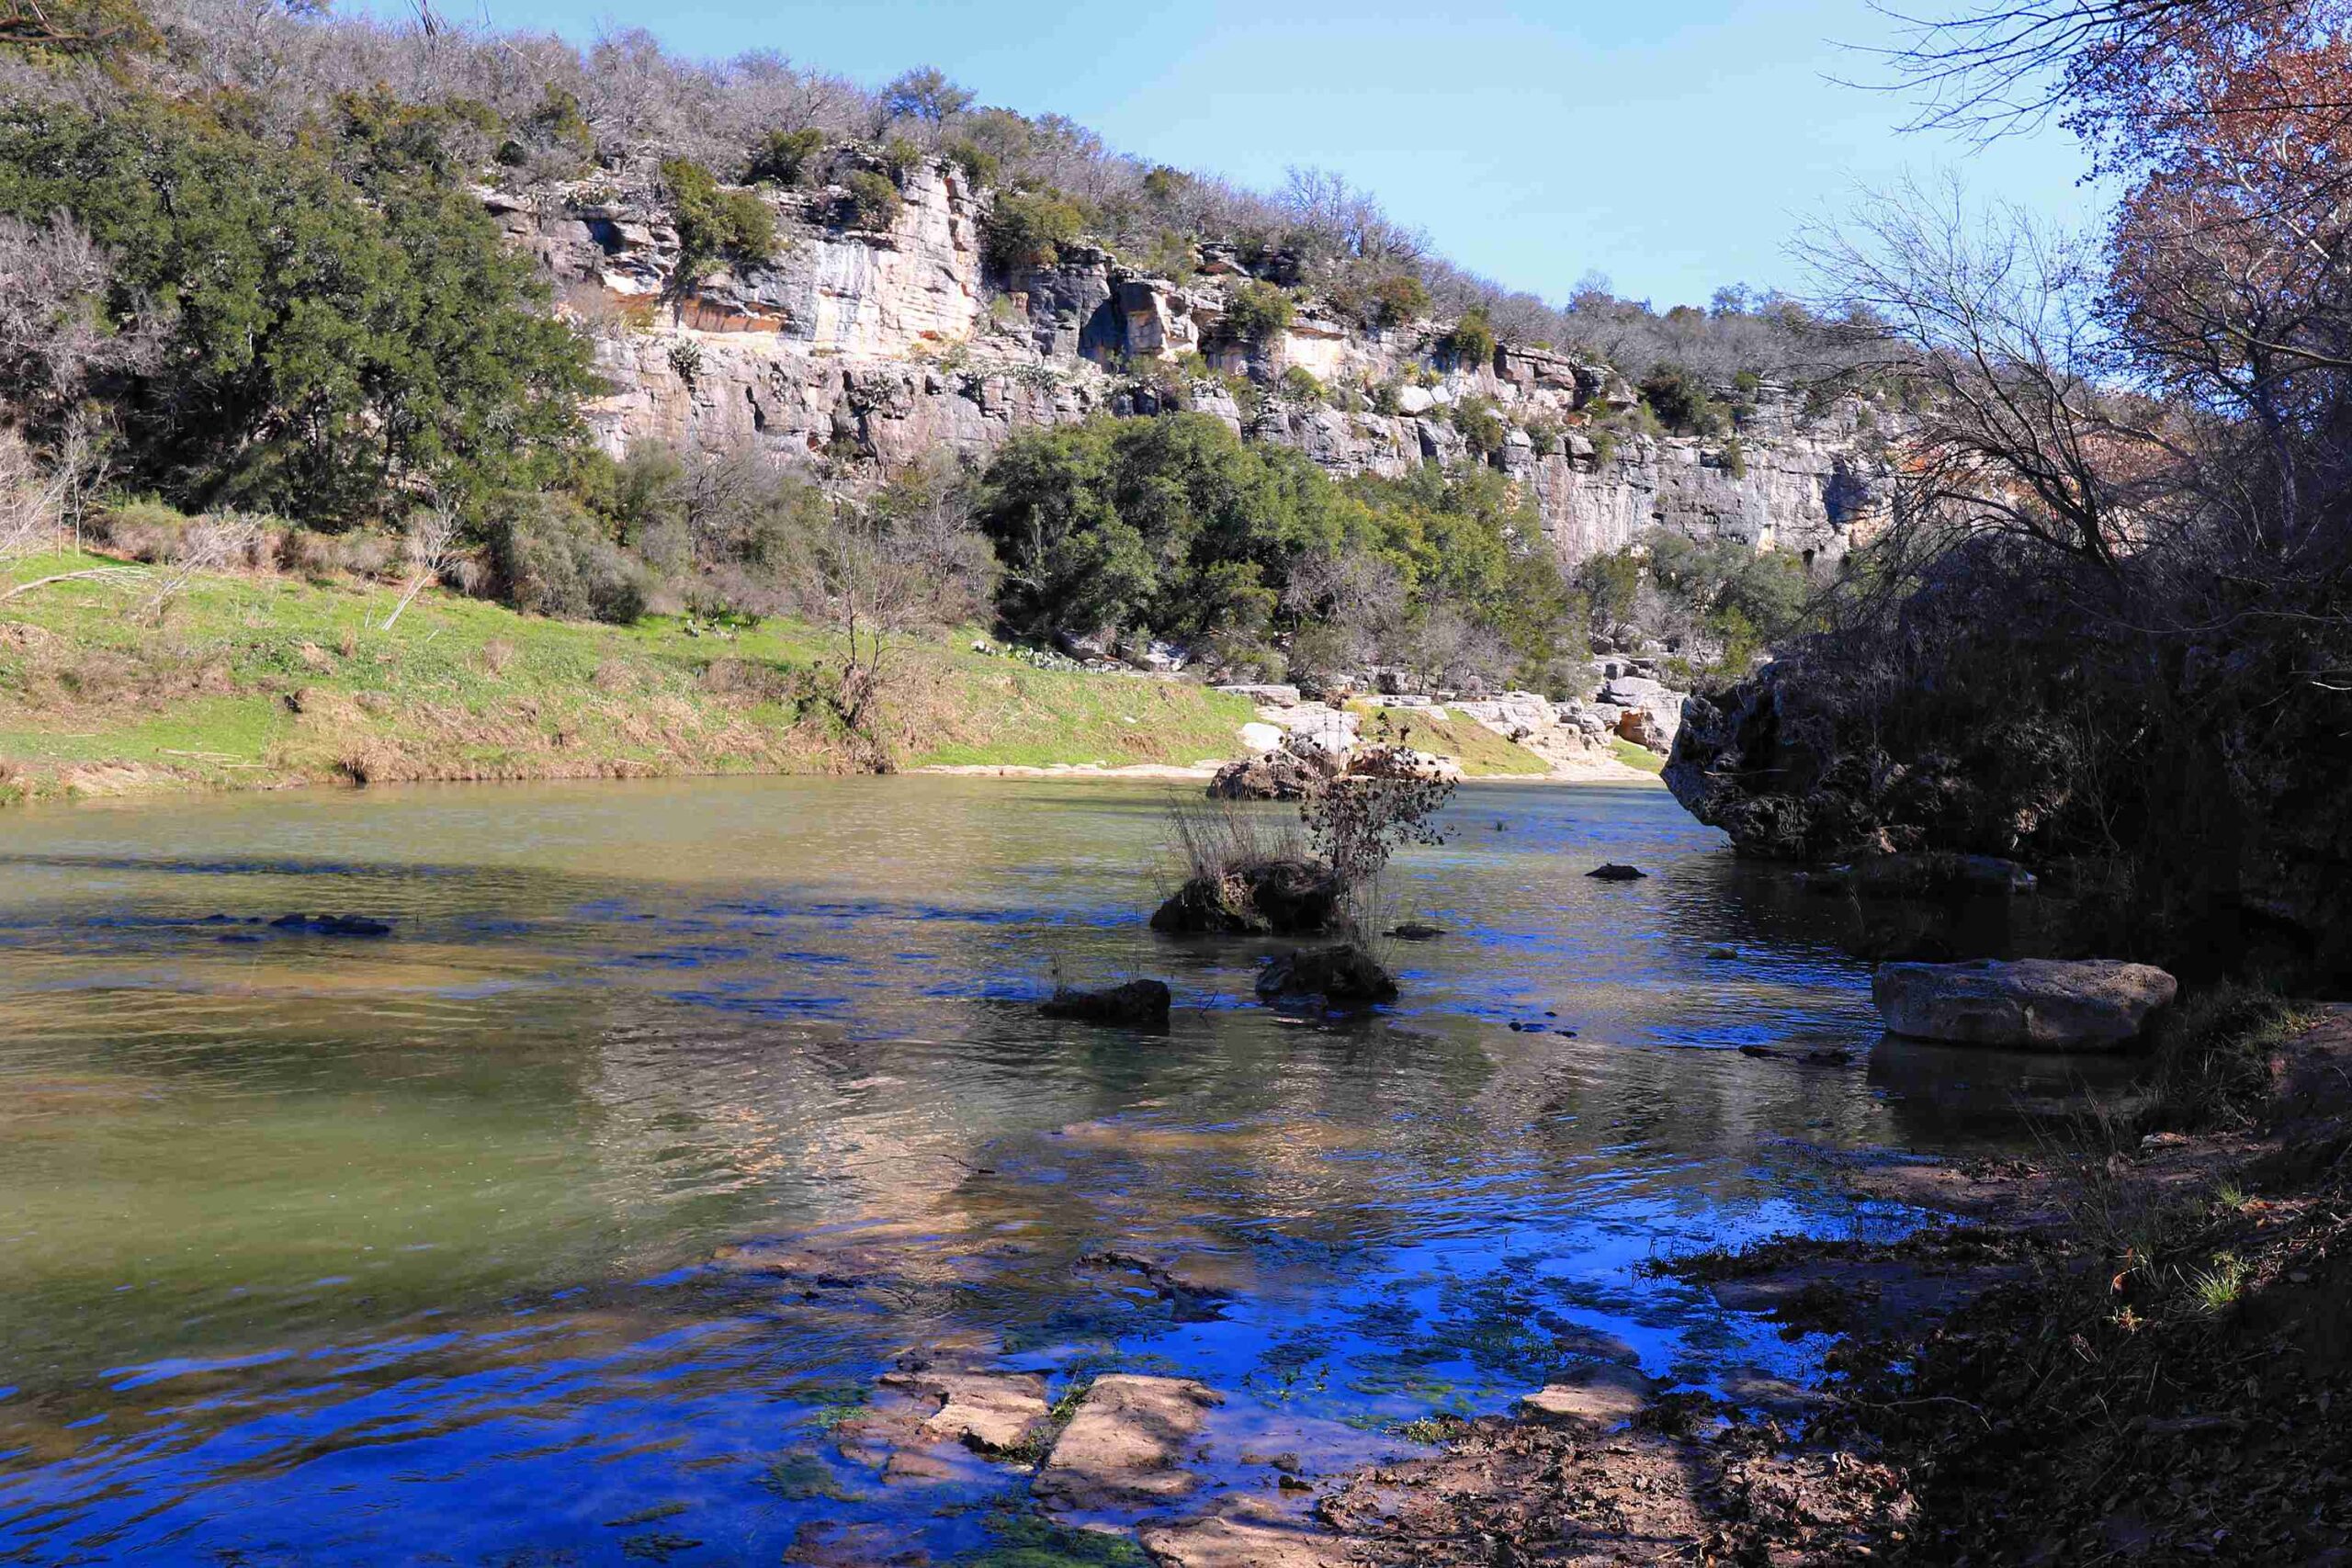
column 783, row 157
column 1258, row 311
column 873, row 202
column 715, row 225
column 1028, row 228
column 556, row 559
column 1470, row 341
column 1680, row 400
column 980, row 164
column 1483, row 429
column 1298, row 385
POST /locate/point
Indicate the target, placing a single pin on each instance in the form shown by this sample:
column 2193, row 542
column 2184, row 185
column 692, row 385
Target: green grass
column 1634, row 756
column 249, row 679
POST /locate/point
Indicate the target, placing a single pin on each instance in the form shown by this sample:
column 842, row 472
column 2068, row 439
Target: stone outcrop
column 1281, row 897
column 877, row 347
column 1344, row 979
column 2027, row 1004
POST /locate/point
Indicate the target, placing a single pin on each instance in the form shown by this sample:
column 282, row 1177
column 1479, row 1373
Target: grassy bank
column 244, row 681
column 1481, row 751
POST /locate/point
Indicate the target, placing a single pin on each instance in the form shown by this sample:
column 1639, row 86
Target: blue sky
column 1673, row 147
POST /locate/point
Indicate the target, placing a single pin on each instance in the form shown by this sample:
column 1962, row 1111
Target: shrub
column 556, row 559
column 900, row 156
column 873, row 201
column 783, row 156
column 1735, row 459
column 1258, row 311
column 1028, row 228
column 980, row 164
column 1298, row 385
column 1679, row 398
column 1470, row 341
column 715, row 225
column 1483, row 429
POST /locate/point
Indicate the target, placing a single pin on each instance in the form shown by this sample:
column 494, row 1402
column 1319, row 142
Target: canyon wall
column 877, row 346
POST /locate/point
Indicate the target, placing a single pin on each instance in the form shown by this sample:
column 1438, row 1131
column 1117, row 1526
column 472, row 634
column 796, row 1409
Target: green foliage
column 335, row 336
column 1681, row 399
column 1735, row 459
column 900, row 156
column 715, row 226
column 1258, row 311
column 1483, row 429
column 1389, row 300
column 1172, row 525
column 556, row 560
column 873, row 200
column 980, row 164
column 1028, row 228
column 783, row 157
column 1299, row 385
column 1470, row 341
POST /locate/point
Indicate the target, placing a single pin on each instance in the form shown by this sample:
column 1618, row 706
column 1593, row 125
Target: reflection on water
column 332, row 1249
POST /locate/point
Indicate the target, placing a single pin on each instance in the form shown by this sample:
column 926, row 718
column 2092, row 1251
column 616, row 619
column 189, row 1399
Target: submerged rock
column 332, row 925
column 1125, row 1447
column 1279, row 897
column 1615, row 873
column 1925, row 875
column 1141, row 1003
column 1345, row 978
column 2031, row 1003
column 1414, row 931
column 1606, row 1396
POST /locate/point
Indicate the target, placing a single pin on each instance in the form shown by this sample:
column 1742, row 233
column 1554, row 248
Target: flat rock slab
column 1248, row 1532
column 1126, row 1448
column 1608, row 1396
column 988, row 1412
column 2029, row 1003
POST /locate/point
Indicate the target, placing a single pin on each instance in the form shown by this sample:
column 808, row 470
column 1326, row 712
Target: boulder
column 1613, row 871
column 1343, row 978
column 1125, row 1447
column 1262, row 738
column 1141, row 1003
column 2029, row 1003
column 1603, row 1396
column 1270, row 694
column 1287, row 772
column 1643, row 727
column 1279, row 897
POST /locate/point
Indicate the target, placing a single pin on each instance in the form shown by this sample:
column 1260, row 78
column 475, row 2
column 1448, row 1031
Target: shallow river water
column 355, row 1250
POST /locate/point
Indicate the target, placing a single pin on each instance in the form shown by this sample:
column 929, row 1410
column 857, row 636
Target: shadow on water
column 319, row 1247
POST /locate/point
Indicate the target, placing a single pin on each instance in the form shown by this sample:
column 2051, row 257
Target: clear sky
column 1671, row 146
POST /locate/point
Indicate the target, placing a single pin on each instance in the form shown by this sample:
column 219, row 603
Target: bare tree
column 430, row 547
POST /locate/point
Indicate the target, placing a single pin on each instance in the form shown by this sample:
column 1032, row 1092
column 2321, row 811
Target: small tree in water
column 1388, row 797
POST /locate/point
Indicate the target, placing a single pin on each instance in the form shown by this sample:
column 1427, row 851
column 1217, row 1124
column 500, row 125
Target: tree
column 715, row 226
column 1028, row 228
column 332, row 341
column 927, row 97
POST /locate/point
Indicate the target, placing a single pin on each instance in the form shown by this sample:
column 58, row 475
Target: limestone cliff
column 880, row 345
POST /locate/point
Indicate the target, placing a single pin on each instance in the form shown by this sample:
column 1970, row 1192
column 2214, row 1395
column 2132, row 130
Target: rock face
column 1125, row 1447
column 1779, row 763
column 879, row 346
column 2032, row 1004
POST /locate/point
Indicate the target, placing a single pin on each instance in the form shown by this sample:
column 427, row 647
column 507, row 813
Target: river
column 388, row 1249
